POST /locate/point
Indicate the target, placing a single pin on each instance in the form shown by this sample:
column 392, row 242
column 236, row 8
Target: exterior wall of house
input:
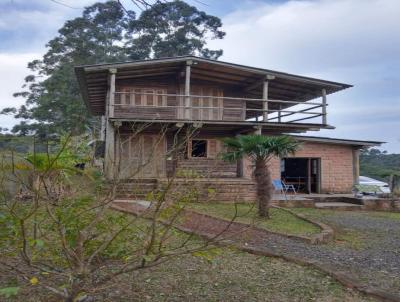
column 151, row 155
column 165, row 101
column 209, row 166
column 337, row 166
column 141, row 155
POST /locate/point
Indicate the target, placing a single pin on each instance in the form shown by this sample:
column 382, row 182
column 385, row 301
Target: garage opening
column 303, row 173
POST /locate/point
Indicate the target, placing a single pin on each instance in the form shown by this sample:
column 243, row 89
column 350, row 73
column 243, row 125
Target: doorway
column 142, row 156
column 304, row 173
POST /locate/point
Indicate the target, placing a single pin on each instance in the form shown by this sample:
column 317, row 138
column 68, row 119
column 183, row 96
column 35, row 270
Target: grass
column 229, row 276
column 221, row 275
column 280, row 221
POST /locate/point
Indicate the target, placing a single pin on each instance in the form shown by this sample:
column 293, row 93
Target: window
column 199, row 148
column 149, row 97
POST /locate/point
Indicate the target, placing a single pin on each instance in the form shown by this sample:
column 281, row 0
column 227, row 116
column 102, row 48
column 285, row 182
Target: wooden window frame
column 210, row 155
column 131, row 90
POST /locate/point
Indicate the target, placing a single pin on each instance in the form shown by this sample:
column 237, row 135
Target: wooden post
column 103, row 128
column 187, row 89
column 239, row 165
column 265, row 101
column 324, row 118
column 111, row 102
column 391, row 183
column 109, row 156
column 309, row 175
column 257, row 130
column 356, row 166
column 279, row 114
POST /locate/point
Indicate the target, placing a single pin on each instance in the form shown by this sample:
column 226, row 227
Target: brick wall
column 227, row 190
column 336, row 165
column 207, row 167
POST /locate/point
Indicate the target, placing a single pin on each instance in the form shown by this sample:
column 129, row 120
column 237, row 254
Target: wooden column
column 111, row 102
column 103, row 128
column 239, row 165
column 324, row 119
column 356, row 166
column 109, row 156
column 265, row 101
column 187, row 90
column 257, row 130
column 279, row 114
column 309, row 175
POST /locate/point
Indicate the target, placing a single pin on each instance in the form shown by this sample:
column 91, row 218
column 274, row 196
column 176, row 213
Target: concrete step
column 136, row 188
column 337, row 205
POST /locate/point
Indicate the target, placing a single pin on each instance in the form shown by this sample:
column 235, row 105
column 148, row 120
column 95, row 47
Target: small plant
column 9, row 292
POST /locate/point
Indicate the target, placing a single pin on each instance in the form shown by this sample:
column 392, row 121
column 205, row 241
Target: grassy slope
column 281, row 221
column 229, row 276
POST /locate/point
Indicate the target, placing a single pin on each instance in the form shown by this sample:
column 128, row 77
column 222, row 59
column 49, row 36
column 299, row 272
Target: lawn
column 229, row 276
column 280, row 221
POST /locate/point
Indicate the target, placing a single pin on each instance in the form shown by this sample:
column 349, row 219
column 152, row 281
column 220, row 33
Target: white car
column 368, row 181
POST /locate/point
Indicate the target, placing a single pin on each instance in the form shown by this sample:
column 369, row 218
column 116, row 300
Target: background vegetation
column 379, row 164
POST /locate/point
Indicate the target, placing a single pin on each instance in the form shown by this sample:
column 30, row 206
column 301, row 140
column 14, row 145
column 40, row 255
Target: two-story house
column 163, row 97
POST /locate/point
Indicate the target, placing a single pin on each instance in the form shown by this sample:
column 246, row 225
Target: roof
column 338, row 141
column 285, row 86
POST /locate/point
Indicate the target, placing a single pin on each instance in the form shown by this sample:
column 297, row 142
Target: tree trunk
column 264, row 187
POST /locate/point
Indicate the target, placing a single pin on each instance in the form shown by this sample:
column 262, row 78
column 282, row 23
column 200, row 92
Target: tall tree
column 260, row 149
column 106, row 32
column 173, row 29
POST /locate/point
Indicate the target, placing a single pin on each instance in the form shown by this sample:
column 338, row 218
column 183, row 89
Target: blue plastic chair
column 279, row 185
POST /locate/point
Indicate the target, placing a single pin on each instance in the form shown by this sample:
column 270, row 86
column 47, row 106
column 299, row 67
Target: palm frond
column 259, row 147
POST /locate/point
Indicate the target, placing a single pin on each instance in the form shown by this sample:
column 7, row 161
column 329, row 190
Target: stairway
column 136, row 188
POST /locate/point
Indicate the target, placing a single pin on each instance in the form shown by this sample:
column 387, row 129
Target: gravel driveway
column 373, row 257
column 376, row 261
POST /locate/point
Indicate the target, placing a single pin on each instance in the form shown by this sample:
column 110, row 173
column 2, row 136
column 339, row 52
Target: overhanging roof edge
column 337, row 141
column 261, row 71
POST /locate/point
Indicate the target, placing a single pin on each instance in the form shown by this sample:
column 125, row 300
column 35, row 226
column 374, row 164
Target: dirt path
column 374, row 269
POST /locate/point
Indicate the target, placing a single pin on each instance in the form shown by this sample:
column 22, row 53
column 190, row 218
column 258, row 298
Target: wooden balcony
column 201, row 108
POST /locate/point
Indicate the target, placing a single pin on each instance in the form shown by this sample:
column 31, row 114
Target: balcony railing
column 163, row 106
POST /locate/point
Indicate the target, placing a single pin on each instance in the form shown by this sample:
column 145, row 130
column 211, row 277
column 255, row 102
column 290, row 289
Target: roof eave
column 337, row 141
column 261, row 71
column 80, row 75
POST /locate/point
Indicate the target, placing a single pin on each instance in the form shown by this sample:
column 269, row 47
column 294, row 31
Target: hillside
column 379, row 164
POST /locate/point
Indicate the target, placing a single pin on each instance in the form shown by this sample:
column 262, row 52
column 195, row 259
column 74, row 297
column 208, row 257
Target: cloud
column 13, row 70
column 34, row 21
column 351, row 41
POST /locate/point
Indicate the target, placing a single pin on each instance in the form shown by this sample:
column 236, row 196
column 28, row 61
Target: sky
column 350, row 41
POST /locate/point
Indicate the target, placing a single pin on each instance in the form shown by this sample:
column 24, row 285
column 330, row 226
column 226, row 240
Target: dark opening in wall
column 199, row 148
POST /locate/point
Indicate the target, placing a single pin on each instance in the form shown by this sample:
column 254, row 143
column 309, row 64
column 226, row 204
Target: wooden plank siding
column 138, row 99
column 142, row 156
column 151, row 154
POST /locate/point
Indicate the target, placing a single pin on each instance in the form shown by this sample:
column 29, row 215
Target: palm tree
column 260, row 149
